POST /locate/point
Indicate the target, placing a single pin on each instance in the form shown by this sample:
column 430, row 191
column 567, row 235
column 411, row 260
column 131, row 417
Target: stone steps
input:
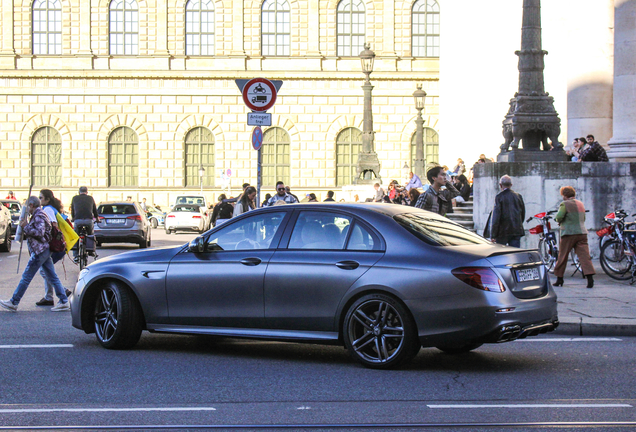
column 463, row 214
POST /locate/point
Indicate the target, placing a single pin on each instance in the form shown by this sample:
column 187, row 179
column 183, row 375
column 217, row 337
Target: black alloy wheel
column 380, row 332
column 118, row 322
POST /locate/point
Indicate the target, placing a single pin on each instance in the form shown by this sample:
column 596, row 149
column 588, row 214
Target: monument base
column 532, row 156
column 363, row 191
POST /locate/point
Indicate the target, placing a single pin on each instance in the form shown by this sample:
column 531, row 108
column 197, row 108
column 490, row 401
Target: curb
column 596, row 327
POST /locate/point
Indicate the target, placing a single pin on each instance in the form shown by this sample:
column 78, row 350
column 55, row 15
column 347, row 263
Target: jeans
column 48, row 289
column 44, row 261
column 514, row 241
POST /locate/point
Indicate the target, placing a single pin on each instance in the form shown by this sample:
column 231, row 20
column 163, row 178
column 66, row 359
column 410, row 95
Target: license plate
column 115, row 221
column 527, row 275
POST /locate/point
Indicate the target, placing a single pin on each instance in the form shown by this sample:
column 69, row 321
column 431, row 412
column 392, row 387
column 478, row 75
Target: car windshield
column 186, row 208
column 116, row 209
column 438, row 231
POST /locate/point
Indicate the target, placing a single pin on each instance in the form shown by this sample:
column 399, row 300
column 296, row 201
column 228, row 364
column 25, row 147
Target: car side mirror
column 197, row 245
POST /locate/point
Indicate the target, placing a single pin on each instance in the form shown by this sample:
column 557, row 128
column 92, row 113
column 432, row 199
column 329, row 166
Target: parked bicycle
column 609, row 232
column 548, row 246
column 85, row 248
column 618, row 254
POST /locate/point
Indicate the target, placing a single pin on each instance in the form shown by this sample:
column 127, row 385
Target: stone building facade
column 116, row 95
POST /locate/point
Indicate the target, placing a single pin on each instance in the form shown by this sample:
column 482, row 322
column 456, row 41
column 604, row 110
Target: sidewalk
column 608, row 309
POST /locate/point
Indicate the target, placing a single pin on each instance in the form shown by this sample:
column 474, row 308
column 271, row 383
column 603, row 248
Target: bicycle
column 618, row 255
column 609, row 232
column 85, row 248
column 548, row 245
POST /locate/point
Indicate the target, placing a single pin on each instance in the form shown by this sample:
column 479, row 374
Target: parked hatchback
column 15, row 208
column 122, row 222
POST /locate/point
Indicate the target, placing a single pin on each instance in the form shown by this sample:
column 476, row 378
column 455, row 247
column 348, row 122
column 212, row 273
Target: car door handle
column 251, row 261
column 347, row 265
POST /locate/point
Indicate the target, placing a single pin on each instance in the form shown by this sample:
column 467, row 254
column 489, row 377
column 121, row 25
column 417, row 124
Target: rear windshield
column 116, row 209
column 438, row 231
column 186, row 208
column 198, row 200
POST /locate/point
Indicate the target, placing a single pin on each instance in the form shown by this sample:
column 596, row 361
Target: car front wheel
column 379, row 332
column 118, row 320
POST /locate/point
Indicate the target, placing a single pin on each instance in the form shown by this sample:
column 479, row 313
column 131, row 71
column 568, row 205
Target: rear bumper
column 119, row 236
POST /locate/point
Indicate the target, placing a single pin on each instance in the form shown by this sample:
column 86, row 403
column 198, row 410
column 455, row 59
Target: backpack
column 57, row 243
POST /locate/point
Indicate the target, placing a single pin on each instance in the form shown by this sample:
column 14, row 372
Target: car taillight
column 482, row 278
column 171, row 216
column 196, row 217
column 134, row 217
column 101, row 219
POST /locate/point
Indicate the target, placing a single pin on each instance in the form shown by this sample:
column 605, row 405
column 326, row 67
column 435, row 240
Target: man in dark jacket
column 592, row 152
column 508, row 215
column 83, row 212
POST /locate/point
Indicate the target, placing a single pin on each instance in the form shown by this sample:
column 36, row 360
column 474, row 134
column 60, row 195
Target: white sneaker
column 61, row 307
column 8, row 305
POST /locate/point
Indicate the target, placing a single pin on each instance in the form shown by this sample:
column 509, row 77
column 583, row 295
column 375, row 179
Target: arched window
column 123, row 157
column 351, row 28
column 46, row 157
column 47, row 27
column 348, row 146
column 124, row 27
column 275, row 165
column 199, row 152
column 200, row 27
column 431, row 147
column 425, row 29
column 275, row 28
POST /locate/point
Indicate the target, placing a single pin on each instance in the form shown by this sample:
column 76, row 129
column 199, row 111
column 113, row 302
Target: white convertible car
column 186, row 217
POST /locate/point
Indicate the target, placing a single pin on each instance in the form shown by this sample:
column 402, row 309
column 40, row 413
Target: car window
column 361, row 239
column 116, row 209
column 438, row 231
column 319, row 230
column 255, row 232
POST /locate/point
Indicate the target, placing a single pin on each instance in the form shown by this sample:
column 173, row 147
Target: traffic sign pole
column 259, row 175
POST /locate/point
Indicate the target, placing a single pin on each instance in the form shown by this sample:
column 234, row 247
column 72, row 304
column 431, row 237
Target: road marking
column 580, row 339
column 76, row 410
column 533, row 406
column 36, row 346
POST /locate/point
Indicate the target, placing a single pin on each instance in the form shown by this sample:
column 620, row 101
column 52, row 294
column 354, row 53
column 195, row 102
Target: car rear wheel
column 6, row 246
column 459, row 349
column 143, row 244
column 118, row 322
column 154, row 223
column 168, row 231
column 379, row 332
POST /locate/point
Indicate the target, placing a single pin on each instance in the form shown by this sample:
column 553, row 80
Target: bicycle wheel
column 83, row 256
column 615, row 262
column 548, row 252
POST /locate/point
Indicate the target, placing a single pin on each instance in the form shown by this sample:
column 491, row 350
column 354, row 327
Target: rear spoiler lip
column 508, row 252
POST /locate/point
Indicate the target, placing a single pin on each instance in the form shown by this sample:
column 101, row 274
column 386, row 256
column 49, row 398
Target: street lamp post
column 368, row 166
column 201, row 174
column 418, row 163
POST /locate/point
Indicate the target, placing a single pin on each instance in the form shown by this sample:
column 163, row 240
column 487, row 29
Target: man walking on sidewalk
column 508, row 215
column 38, row 234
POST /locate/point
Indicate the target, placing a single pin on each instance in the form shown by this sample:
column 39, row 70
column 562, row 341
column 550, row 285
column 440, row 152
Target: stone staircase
column 463, row 214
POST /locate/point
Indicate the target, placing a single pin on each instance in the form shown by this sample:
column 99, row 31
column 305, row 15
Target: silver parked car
column 384, row 280
column 122, row 222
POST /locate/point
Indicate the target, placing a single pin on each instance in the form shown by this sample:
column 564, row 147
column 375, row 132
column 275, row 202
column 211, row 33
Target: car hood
column 156, row 254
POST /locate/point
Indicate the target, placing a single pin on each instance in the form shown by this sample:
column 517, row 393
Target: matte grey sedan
column 384, row 280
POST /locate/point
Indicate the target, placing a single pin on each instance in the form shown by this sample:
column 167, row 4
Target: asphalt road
column 54, row 376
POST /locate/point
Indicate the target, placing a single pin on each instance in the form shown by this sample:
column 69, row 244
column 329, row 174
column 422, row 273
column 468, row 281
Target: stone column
column 623, row 143
column 162, row 29
column 85, row 29
column 7, row 28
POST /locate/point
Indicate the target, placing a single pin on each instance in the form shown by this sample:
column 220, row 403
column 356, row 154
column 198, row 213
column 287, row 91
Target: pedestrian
column 11, row 196
column 313, row 198
column 414, row 194
column 83, row 212
column 508, row 215
column 281, row 195
column 356, row 198
column 460, row 168
column 461, row 184
column 143, row 205
column 379, row 193
column 435, row 199
column 222, row 212
column 267, row 197
column 571, row 218
column 414, row 182
column 51, row 206
column 593, row 151
column 330, row 195
column 288, row 190
column 38, row 234
column 246, row 203
column 129, row 198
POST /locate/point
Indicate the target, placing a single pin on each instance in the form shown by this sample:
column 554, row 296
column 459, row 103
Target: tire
column 459, row 349
column 118, row 319
column 98, row 244
column 154, row 223
column 143, row 244
column 548, row 252
column 167, row 231
column 6, row 246
column 615, row 263
column 379, row 332
column 83, row 257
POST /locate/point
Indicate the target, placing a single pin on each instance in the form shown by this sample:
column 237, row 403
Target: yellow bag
column 70, row 236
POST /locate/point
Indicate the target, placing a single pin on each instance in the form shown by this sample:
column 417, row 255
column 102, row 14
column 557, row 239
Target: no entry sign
column 259, row 94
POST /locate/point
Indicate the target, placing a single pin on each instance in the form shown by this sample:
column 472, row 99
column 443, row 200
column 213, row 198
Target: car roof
column 10, row 201
column 116, row 203
column 386, row 209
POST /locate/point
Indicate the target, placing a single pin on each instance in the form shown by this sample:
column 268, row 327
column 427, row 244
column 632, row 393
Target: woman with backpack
column 51, row 207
